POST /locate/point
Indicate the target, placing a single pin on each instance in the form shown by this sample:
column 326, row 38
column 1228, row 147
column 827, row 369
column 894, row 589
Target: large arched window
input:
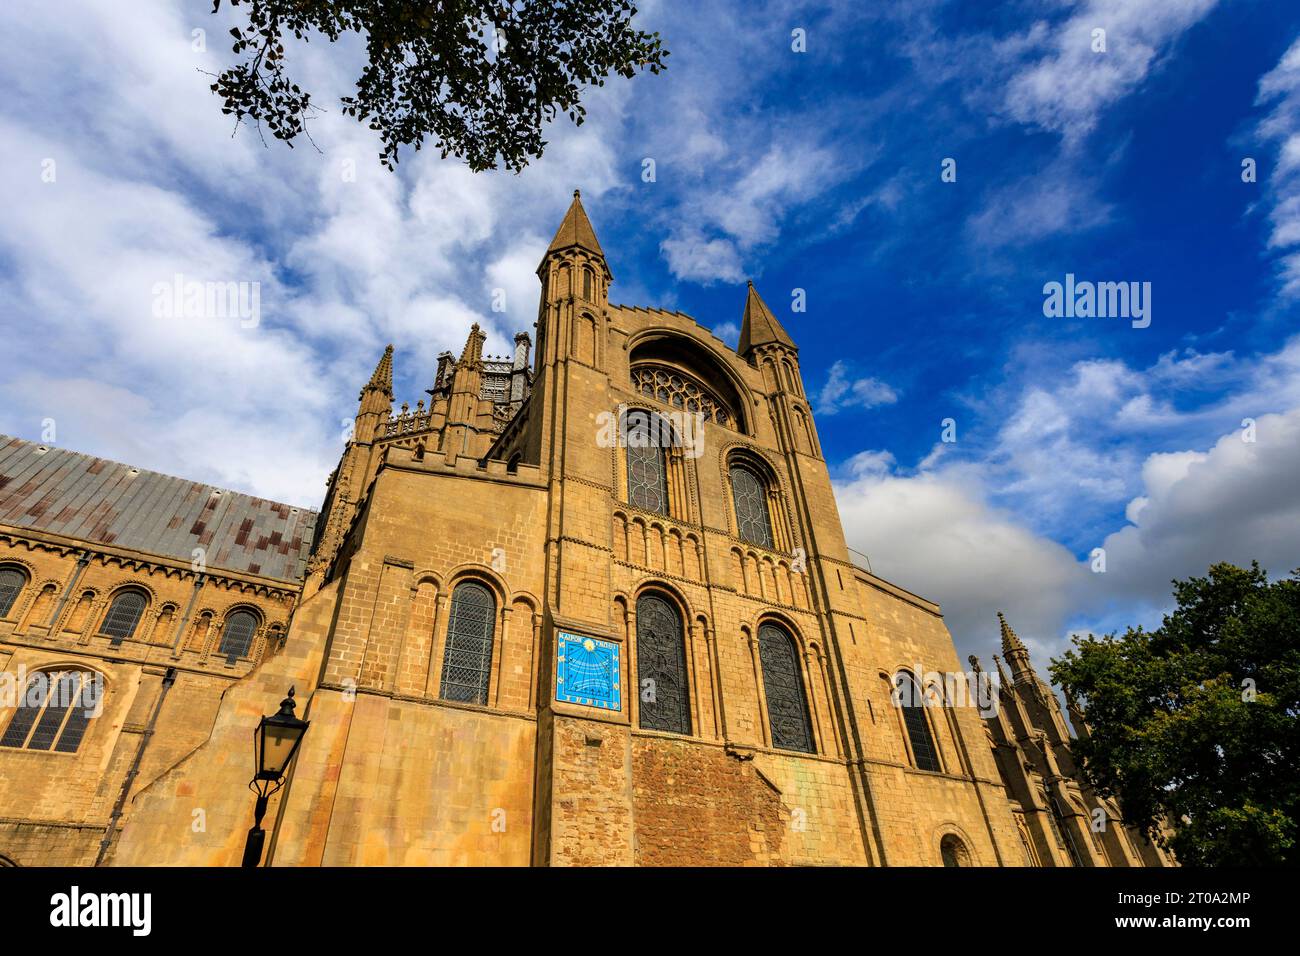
column 648, row 438
column 123, row 616
column 467, row 658
column 909, row 699
column 661, row 666
column 749, row 494
column 55, row 709
column 787, row 709
column 237, row 635
column 12, row 582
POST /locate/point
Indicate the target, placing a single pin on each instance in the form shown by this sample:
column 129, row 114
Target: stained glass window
column 123, row 616
column 918, row 730
column 750, row 497
column 237, row 636
column 467, row 658
column 648, row 438
column 12, row 582
column 673, row 388
column 54, row 711
column 787, row 710
column 661, row 666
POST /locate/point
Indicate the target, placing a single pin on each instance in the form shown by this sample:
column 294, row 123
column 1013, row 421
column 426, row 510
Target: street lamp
column 275, row 741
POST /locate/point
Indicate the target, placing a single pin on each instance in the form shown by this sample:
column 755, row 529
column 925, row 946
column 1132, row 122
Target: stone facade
column 526, row 636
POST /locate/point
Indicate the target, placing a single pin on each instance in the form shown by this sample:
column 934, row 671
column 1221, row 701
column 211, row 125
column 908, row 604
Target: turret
column 575, row 282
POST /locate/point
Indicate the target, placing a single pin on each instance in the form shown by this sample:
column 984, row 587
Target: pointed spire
column 759, row 326
column 382, row 378
column 473, row 351
column 1010, row 642
column 576, row 230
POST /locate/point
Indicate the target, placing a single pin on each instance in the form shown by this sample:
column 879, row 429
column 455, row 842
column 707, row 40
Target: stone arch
column 584, row 335
column 778, row 492
column 687, row 622
column 949, row 838
column 702, row 361
column 28, row 572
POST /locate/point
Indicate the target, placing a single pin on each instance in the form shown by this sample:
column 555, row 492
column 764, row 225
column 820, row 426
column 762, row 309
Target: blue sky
column 818, row 171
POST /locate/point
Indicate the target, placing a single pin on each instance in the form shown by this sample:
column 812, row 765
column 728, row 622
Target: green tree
column 1196, row 724
column 480, row 77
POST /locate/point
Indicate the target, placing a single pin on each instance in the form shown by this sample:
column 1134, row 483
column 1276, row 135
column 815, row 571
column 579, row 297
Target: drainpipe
column 185, row 619
column 67, row 591
column 168, row 679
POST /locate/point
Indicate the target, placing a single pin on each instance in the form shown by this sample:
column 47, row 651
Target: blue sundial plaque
column 587, row 671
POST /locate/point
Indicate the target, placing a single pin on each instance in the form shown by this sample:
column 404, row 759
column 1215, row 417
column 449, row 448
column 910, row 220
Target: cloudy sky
column 817, row 170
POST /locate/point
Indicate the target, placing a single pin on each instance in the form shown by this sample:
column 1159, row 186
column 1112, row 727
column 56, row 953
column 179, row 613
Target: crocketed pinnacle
column 382, row 379
column 1010, row 642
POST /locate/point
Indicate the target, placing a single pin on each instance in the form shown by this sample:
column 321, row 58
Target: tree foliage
column 1197, row 723
column 479, row 77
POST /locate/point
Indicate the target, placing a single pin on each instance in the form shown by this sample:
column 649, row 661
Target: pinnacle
column 759, row 326
column 1010, row 641
column 576, row 230
column 382, row 378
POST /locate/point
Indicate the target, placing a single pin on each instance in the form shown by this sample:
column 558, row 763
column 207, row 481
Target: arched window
column 647, row 438
column 787, row 710
column 12, row 582
column 123, row 616
column 237, row 635
column 661, row 666
column 673, row 387
column 467, row 658
column 749, row 494
column 586, row 283
column 910, row 700
column 953, row 852
column 54, row 711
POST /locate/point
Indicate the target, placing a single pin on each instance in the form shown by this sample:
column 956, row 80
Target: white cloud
column 1237, row 502
column 1062, row 85
column 1280, row 88
column 936, row 536
column 841, row 392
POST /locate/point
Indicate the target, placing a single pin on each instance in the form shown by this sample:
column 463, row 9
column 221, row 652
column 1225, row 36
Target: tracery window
column 12, row 582
column 673, row 388
column 123, row 616
column 910, row 700
column 237, row 635
column 661, row 666
column 787, row 709
column 55, row 709
column 467, row 658
column 647, row 438
column 749, row 493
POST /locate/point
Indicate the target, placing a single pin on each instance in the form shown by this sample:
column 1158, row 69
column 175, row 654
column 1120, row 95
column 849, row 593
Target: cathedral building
column 587, row 604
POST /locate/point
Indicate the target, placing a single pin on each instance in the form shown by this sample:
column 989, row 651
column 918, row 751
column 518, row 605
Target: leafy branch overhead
column 480, row 78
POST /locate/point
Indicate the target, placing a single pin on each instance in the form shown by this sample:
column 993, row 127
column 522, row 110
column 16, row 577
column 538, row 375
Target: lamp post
column 275, row 741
